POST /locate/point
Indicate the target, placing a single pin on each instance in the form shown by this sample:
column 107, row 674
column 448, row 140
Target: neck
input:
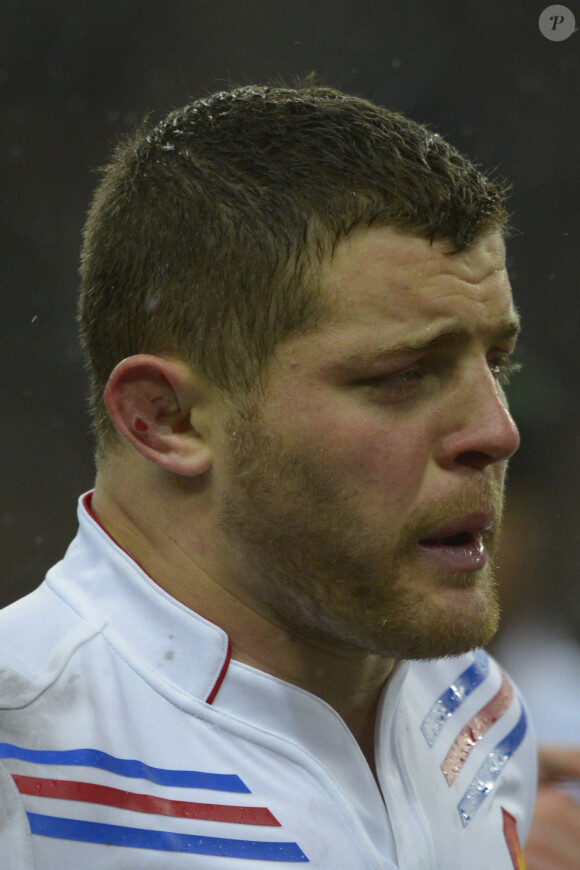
column 177, row 555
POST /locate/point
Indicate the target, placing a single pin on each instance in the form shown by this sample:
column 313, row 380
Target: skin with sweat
column 347, row 514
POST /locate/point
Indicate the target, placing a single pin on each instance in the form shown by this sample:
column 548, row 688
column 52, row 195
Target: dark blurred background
column 75, row 76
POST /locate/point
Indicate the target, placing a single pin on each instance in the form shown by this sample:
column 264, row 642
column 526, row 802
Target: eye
column 406, row 384
column 406, row 376
column 503, row 368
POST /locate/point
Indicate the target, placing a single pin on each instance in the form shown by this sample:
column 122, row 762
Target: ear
column 153, row 403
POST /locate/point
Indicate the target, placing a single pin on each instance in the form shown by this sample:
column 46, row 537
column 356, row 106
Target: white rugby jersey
column 130, row 739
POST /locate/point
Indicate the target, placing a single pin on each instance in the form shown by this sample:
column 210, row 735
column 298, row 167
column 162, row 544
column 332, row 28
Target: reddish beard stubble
column 299, row 546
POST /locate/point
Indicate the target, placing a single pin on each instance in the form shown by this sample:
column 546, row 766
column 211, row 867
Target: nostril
column 475, row 459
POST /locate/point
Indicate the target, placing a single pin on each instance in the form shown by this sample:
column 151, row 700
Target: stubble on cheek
column 300, row 543
column 307, row 555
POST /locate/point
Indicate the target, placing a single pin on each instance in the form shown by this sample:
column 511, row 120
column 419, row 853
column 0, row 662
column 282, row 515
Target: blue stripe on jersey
column 127, row 767
column 446, row 705
column 489, row 772
column 163, row 841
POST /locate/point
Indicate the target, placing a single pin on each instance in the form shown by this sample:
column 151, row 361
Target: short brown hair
column 205, row 232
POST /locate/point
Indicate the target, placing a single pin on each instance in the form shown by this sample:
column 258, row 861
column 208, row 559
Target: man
column 263, row 647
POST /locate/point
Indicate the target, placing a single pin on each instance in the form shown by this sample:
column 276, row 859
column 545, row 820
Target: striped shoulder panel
column 202, row 814
column 440, row 718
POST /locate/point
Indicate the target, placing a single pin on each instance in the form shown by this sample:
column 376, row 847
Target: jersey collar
column 104, row 583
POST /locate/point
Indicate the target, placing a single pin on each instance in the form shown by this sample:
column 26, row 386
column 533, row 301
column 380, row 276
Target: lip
column 459, row 557
column 471, row 524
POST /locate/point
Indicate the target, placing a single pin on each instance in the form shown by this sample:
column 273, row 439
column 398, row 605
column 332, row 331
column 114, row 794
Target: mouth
column 459, row 545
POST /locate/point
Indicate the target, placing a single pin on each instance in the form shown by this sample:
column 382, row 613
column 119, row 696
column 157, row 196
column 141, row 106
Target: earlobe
column 153, row 401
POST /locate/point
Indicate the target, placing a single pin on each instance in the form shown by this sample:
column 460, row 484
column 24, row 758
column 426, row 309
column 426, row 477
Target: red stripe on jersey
column 142, row 803
column 475, row 729
column 212, row 695
column 510, row 830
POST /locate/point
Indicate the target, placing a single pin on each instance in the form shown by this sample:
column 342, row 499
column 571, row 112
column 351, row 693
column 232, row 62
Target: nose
column 482, row 430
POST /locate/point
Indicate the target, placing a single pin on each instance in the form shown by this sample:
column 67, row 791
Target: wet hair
column 207, row 231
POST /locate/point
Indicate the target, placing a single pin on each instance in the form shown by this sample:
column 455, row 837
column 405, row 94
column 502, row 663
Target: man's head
column 207, row 233
column 297, row 308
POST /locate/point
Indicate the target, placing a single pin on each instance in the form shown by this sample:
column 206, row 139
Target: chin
column 452, row 622
column 450, row 637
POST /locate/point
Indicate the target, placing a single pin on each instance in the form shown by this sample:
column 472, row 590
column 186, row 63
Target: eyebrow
column 505, row 331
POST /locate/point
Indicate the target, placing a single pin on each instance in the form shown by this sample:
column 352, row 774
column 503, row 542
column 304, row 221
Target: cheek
column 384, row 464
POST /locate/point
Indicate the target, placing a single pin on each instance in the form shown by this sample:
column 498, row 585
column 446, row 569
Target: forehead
column 383, row 275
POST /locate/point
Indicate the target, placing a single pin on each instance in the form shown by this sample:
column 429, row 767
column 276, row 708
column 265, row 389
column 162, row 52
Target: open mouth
column 461, row 539
column 459, row 545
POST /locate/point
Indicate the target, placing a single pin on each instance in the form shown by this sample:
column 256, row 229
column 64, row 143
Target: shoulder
column 473, row 724
column 470, row 691
column 38, row 635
